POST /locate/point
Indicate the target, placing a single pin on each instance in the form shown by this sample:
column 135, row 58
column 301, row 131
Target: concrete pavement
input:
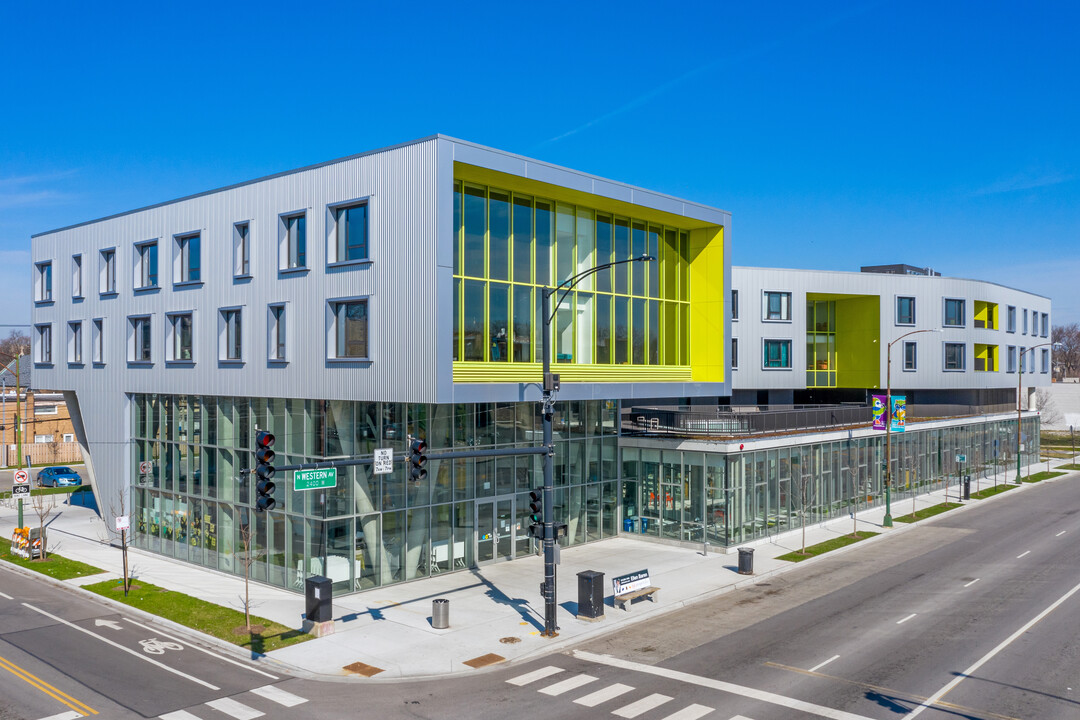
column 495, row 612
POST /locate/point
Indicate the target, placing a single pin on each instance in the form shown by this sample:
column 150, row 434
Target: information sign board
column 314, row 479
column 19, row 491
column 21, row 477
column 384, row 461
column 961, row 458
column 123, row 522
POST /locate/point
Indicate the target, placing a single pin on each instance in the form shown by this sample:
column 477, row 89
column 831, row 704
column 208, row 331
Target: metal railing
column 758, row 420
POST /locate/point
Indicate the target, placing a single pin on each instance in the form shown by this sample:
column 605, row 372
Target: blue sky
column 838, row 135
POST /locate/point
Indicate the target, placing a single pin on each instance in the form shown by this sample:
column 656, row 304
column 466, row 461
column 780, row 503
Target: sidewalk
column 496, row 609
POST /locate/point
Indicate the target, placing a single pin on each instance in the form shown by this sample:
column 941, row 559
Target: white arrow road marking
column 107, row 623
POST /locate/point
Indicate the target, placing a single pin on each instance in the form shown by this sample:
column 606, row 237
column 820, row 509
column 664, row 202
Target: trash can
column 440, row 613
column 746, row 561
column 590, row 591
column 318, row 599
column 628, row 525
column 644, row 525
column 967, row 487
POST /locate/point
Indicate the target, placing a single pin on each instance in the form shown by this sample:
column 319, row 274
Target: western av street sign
column 314, row 479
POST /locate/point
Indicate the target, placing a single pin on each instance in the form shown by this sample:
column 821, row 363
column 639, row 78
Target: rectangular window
column 1023, row 359
column 1045, row 361
column 352, row 232
column 1024, row 331
column 76, row 276
column 180, row 330
column 295, row 255
column 231, row 335
column 911, row 356
column 954, row 356
column 777, row 306
column 776, row 354
column 69, row 437
column 44, row 344
column 734, row 304
column 43, row 282
column 1010, row 319
column 954, row 312
column 241, row 250
column 277, row 333
column 905, row 310
column 351, row 329
column 1045, row 325
column 146, row 267
column 98, row 339
column 188, row 248
column 75, row 343
column 140, row 340
column 1010, row 355
column 107, row 271
column 734, row 353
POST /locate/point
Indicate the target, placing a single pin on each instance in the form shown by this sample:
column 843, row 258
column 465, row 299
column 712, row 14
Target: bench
column 635, row 585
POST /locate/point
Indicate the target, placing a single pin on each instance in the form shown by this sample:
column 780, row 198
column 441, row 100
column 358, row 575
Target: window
column 146, row 265
column 1045, row 325
column 954, row 312
column 734, row 304
column 241, row 250
column 98, row 339
column 351, row 233
column 954, row 356
column 43, row 282
column 44, row 344
column 180, row 337
column 776, row 354
column 1010, row 315
column 107, row 271
column 140, row 340
column 1023, row 359
column 276, row 348
column 351, row 329
column 1045, row 361
column 295, row 242
column 231, row 335
column 76, row 276
column 188, row 247
column 43, row 438
column 777, row 306
column 734, row 353
column 1010, row 359
column 75, row 343
column 905, row 311
column 69, row 437
column 1024, row 331
column 910, row 356
column 46, row 409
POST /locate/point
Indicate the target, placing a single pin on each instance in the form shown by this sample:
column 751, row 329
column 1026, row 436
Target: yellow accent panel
column 489, row 372
column 858, row 339
column 708, row 305
column 516, row 183
column 989, row 355
column 986, row 314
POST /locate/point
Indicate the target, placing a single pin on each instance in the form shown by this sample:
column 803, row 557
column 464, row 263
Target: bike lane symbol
column 154, row 646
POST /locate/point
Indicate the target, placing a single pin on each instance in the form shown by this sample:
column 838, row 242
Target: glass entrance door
column 495, row 521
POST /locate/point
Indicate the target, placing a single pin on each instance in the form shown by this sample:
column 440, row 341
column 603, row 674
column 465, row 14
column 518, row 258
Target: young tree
column 248, row 555
column 43, row 506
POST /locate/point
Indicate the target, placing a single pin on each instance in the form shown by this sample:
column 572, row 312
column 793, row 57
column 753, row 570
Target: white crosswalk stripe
column 70, row 714
column 235, row 709
column 601, row 696
column 567, row 685
column 178, row 715
column 740, row 717
column 641, row 706
column 690, row 712
column 281, row 697
column 534, row 675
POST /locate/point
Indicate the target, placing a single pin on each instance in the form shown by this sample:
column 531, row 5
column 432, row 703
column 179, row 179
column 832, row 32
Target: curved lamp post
column 1019, row 389
column 887, row 522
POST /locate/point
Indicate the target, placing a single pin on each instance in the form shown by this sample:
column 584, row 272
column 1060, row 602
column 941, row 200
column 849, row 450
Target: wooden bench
column 635, row 585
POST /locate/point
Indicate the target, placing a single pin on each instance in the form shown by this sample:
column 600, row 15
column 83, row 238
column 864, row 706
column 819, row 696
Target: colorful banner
column 879, row 412
column 898, row 416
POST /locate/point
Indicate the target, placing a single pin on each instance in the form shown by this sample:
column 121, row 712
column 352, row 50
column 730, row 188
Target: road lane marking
column 1061, row 533
column 129, row 651
column 238, row 710
column 740, row 690
column 971, row 583
column 534, row 675
column 6, row 596
column 281, row 697
column 187, row 644
column 69, row 715
column 823, row 664
column 602, row 696
column 567, row 685
column 643, row 705
column 178, row 715
column 1026, row 552
column 690, row 712
column 988, row 656
column 36, row 682
column 901, row 622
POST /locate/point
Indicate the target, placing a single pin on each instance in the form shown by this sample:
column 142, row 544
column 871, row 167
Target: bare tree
column 804, row 487
column 119, row 510
column 43, row 506
column 248, row 555
column 1044, row 401
column 1069, row 352
column 15, row 344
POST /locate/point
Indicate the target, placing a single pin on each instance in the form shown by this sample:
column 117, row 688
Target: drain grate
column 485, row 660
column 359, row 668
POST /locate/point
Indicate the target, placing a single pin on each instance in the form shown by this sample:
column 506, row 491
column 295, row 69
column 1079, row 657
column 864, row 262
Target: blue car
column 58, row 476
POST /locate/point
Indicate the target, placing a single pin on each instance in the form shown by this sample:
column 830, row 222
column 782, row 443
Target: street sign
column 314, row 479
column 17, row 491
column 21, row 477
column 123, row 522
column 146, row 467
column 384, row 461
column 961, row 458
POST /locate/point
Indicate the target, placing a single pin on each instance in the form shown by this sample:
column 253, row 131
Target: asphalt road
column 967, row 617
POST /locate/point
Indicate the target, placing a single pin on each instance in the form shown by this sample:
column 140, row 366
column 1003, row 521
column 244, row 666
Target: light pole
column 1019, row 389
column 887, row 522
column 18, row 423
column 550, row 386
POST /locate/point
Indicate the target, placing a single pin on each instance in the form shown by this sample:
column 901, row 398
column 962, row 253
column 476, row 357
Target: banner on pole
column 879, row 412
column 899, row 413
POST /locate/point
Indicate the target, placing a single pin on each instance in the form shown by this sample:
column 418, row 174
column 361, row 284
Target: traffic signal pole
column 551, row 629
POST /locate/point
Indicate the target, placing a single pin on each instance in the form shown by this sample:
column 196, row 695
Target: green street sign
column 314, row 479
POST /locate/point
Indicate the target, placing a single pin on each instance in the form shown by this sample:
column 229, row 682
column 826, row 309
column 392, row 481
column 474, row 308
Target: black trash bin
column 590, row 587
column 967, row 487
column 318, row 599
column 746, row 561
column 440, row 613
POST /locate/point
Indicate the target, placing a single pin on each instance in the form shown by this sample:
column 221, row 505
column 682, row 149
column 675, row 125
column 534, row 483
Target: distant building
column 898, row 270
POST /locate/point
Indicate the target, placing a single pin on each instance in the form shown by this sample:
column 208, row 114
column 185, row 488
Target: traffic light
column 536, row 513
column 264, row 470
column 417, row 460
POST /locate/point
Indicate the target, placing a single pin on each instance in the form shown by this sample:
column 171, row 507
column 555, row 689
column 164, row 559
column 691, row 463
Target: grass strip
column 55, row 566
column 991, row 491
column 821, row 548
column 1039, row 476
column 223, row 623
column 926, row 512
column 1073, row 466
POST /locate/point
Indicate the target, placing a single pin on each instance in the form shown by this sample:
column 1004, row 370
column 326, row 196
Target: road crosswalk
column 611, row 694
column 236, row 709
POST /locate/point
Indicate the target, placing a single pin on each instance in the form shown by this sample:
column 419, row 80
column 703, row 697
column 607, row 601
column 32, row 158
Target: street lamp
column 1019, row 389
column 550, row 386
column 888, row 424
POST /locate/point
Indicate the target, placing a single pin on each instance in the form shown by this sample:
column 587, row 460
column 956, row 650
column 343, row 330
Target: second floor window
column 734, row 304
column 1010, row 361
column 295, row 241
column 734, row 353
column 181, row 336
column 776, row 354
column 911, row 356
column 905, row 311
column 241, row 250
column 777, row 306
column 75, row 347
column 954, row 356
column 99, row 341
column 1010, row 317
column 277, row 332
column 233, row 349
column 190, row 260
column 146, row 273
column 44, row 346
column 76, row 276
column 141, row 344
column 43, row 282
column 352, row 233
column 351, row 331
column 107, row 267
column 954, row 312
column 1045, row 325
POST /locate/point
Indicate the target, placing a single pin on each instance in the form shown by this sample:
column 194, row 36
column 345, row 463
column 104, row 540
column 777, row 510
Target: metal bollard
column 440, row 613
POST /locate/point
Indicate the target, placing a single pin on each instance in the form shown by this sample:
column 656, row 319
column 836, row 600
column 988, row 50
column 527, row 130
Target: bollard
column 746, row 561
column 967, row 487
column 440, row 613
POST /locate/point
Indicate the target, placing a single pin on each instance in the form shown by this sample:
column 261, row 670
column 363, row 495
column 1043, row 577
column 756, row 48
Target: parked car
column 58, row 476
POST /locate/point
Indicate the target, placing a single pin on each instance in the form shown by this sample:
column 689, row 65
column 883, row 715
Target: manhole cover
column 509, row 640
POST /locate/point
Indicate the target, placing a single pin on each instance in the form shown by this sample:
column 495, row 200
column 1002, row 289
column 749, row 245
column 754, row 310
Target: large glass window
column 351, row 331
column 352, row 232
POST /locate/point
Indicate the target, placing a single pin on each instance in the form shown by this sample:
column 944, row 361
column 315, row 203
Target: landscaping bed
column 1044, row 475
column 821, row 548
column 992, row 491
column 927, row 512
column 55, row 566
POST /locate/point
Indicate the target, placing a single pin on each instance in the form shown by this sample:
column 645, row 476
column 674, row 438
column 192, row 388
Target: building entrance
column 496, row 529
